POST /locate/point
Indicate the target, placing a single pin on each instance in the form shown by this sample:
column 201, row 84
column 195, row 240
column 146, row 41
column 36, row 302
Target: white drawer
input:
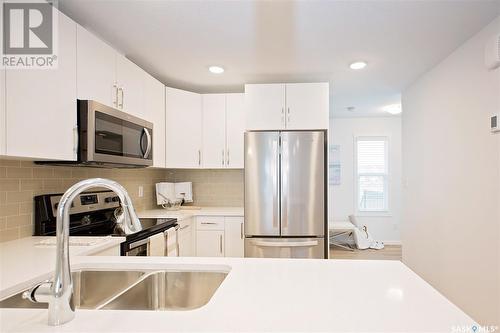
column 210, row 223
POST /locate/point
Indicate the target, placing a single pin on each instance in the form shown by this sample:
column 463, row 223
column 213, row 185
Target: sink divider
column 114, row 297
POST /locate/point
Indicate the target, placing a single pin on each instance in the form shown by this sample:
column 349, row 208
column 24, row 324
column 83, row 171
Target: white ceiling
column 287, row 41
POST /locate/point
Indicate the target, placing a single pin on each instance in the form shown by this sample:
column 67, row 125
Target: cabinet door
column 96, row 69
column 42, row 103
column 209, row 243
column 129, row 77
column 307, row 106
column 214, row 130
column 264, row 106
column 235, row 130
column 154, row 111
column 186, row 235
column 234, row 237
column 2, row 111
column 183, row 129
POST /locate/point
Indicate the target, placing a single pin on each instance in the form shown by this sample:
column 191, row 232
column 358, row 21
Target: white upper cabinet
column 223, row 130
column 286, row 106
column 183, row 129
column 307, row 105
column 40, row 105
column 108, row 77
column 2, row 111
column 96, row 69
column 264, row 106
column 235, row 130
column 129, row 78
column 153, row 110
column 214, row 130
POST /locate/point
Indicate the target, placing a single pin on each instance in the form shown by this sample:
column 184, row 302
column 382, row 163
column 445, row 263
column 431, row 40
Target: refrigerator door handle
column 275, row 185
column 284, row 184
column 286, row 244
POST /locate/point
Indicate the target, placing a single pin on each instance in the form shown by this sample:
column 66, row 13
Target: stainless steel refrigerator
column 285, row 194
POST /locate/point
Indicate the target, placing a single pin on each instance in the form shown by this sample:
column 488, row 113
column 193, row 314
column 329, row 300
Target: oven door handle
column 146, row 153
column 138, row 243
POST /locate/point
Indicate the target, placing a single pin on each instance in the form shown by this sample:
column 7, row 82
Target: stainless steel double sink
column 136, row 290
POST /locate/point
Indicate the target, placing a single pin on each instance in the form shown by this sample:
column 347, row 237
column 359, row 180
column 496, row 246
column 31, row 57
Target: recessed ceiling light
column 216, row 69
column 358, row 65
column 392, row 109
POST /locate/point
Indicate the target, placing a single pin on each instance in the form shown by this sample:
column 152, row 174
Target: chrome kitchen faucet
column 59, row 292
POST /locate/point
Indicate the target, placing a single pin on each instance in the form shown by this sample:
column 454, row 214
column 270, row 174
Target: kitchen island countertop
column 262, row 295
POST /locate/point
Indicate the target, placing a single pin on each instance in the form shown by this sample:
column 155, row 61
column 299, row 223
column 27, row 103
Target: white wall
column 451, row 164
column 342, row 197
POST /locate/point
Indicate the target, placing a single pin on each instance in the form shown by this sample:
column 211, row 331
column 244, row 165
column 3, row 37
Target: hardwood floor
column 389, row 252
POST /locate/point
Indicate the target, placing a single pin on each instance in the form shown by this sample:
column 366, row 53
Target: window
column 372, row 174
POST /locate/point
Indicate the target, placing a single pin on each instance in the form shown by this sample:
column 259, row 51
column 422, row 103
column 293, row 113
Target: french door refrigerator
column 285, row 194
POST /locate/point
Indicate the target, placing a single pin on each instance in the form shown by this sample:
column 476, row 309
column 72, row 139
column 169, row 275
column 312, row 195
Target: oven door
column 112, row 136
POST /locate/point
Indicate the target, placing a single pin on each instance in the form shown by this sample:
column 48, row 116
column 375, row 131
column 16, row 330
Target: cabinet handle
column 199, row 157
column 223, row 157
column 241, row 230
column 208, row 223
column 177, row 245
column 220, row 243
column 227, row 162
column 283, row 116
column 288, row 117
column 120, row 101
column 115, row 99
column 75, row 140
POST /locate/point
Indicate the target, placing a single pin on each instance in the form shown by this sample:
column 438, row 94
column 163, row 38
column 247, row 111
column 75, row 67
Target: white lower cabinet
column 210, row 236
column 186, row 238
column 210, row 243
column 219, row 236
column 234, row 237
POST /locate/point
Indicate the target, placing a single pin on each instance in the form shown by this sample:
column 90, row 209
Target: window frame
column 386, row 211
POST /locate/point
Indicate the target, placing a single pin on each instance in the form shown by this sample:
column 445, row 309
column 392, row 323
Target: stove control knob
column 111, row 199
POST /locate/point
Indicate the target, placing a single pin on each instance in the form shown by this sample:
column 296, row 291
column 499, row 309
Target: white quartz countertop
column 263, row 295
column 23, row 263
column 187, row 213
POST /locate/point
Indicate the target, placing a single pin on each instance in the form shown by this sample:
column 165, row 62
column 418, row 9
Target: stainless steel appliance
column 99, row 213
column 110, row 138
column 286, row 194
column 138, row 244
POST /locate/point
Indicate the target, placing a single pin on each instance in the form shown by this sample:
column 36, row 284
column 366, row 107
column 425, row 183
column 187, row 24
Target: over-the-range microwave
column 108, row 137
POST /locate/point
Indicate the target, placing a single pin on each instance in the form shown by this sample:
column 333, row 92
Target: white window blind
column 372, row 174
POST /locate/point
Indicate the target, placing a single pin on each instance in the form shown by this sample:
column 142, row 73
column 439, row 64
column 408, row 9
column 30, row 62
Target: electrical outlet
column 141, row 191
column 494, row 123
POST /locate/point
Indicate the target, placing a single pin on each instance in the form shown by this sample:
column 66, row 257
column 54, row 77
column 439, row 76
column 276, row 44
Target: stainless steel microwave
column 109, row 137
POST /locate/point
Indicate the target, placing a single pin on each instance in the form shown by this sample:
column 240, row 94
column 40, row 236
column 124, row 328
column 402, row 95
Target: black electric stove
column 92, row 214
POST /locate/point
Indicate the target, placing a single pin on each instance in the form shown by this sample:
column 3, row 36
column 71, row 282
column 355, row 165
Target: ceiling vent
column 492, row 53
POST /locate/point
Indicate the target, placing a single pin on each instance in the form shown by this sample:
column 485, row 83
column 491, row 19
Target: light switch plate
column 141, row 191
